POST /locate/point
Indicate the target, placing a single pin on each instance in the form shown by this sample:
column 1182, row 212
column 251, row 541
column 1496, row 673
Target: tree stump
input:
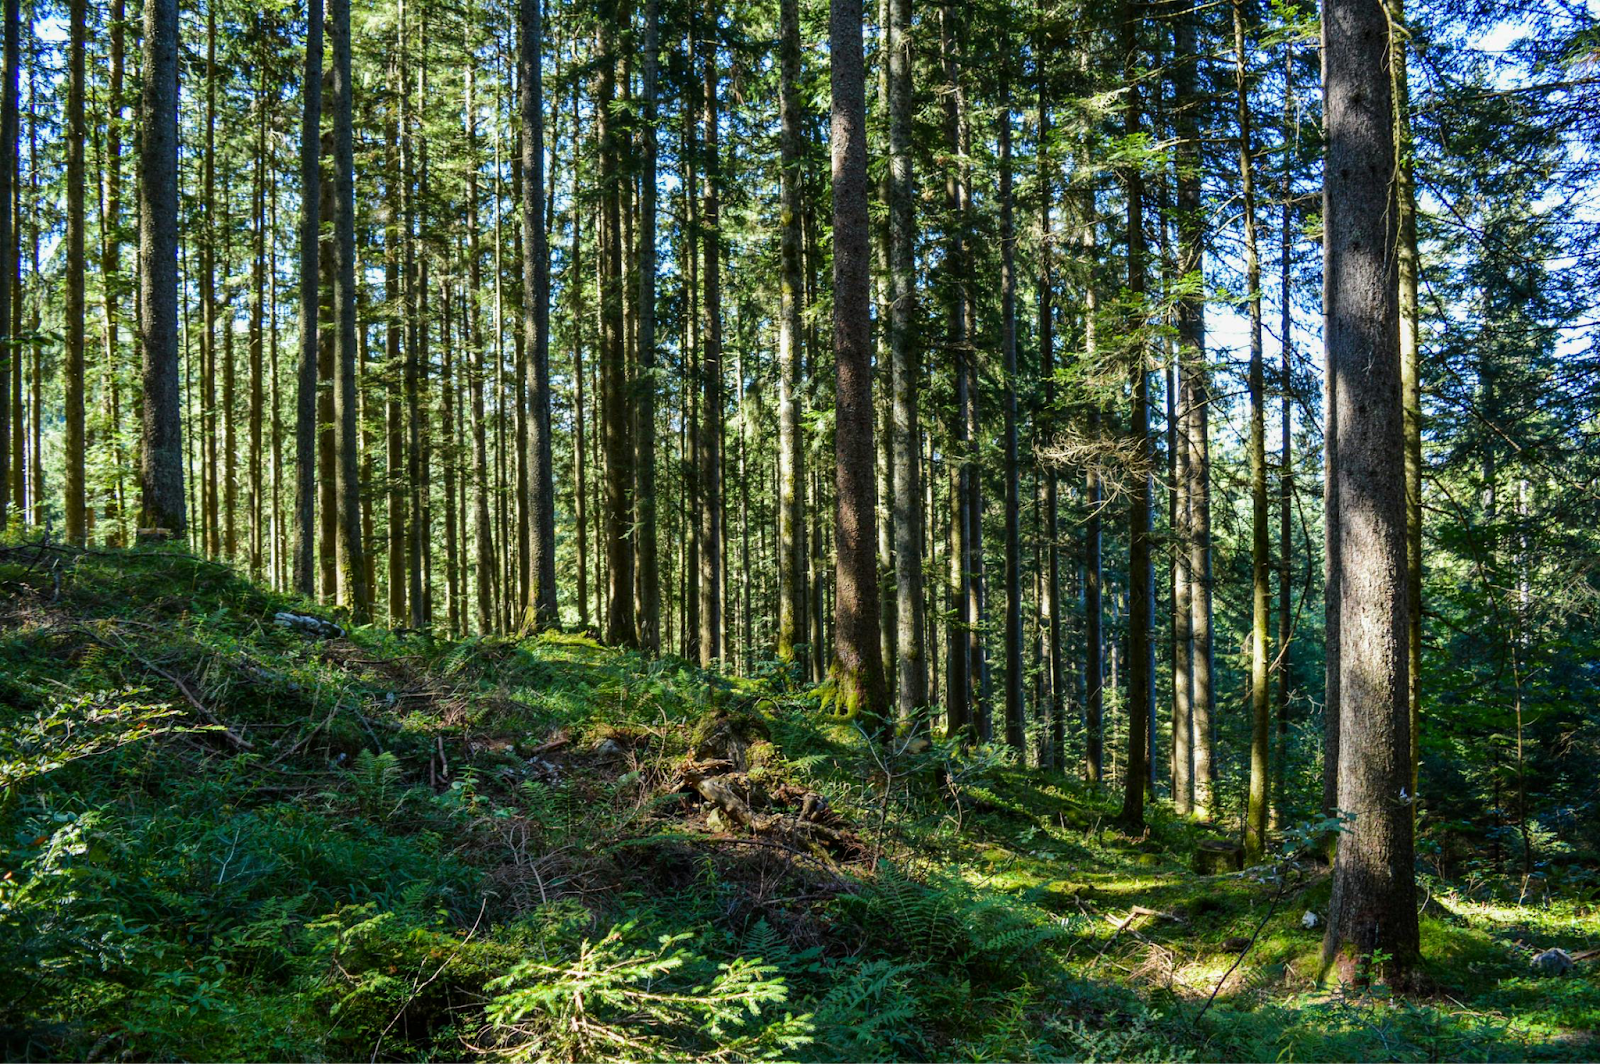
column 1216, row 856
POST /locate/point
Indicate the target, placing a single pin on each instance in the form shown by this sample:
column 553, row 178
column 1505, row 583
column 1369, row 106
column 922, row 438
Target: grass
column 224, row 839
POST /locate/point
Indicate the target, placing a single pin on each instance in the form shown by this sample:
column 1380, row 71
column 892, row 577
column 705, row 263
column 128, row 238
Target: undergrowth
column 225, row 839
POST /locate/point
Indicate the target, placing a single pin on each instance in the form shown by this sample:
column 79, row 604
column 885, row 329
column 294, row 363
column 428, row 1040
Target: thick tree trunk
column 1285, row 468
column 1374, row 893
column 483, row 538
column 306, row 378
column 161, row 445
column 1410, row 380
column 73, row 370
column 395, row 375
column 649, row 576
column 958, row 705
column 1054, row 707
column 858, row 664
column 1255, row 826
column 711, row 517
column 11, row 466
column 258, row 279
column 1139, row 618
column 906, row 373
column 617, row 417
column 1015, row 735
column 536, row 323
column 791, row 452
column 1093, row 577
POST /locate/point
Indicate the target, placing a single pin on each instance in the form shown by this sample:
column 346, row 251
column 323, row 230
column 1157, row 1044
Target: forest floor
column 224, row 838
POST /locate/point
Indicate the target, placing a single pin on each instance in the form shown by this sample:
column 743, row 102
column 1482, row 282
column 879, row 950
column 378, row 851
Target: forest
column 828, row 530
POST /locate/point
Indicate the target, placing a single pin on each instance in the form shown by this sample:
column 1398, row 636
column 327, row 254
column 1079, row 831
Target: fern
column 377, row 782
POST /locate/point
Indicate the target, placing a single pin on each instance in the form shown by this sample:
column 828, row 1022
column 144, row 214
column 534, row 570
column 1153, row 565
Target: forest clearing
column 799, row 529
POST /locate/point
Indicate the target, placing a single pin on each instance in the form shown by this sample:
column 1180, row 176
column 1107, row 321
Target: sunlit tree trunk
column 73, row 370
column 858, row 664
column 161, row 445
column 791, row 452
column 1255, row 826
column 306, row 376
column 1373, row 906
column 649, row 577
column 1139, row 619
column 536, row 322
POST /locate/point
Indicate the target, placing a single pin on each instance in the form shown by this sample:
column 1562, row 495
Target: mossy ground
column 407, row 847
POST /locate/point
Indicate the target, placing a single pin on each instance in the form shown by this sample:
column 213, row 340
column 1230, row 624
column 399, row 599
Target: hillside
column 227, row 838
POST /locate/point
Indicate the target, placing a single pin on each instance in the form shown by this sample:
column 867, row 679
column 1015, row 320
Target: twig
column 183, row 689
column 424, row 985
column 1283, row 887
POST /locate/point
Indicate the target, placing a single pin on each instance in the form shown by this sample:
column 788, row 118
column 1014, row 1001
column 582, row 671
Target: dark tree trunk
column 1139, row 619
column 161, row 445
column 305, row 434
column 10, row 353
column 73, row 371
column 906, row 372
column 649, row 577
column 1374, row 892
column 536, row 323
column 791, row 451
column 858, row 660
column 1015, row 735
column 711, row 516
column 617, row 417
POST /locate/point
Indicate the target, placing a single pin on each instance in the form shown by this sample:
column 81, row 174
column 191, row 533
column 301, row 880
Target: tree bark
column 649, row 576
column 161, row 445
column 1255, row 827
column 1015, row 734
column 11, row 467
column 1139, row 619
column 73, row 370
column 1374, row 893
column 791, row 452
column 616, row 419
column 1093, row 577
column 536, row 323
column 858, row 664
column 906, row 373
column 306, row 378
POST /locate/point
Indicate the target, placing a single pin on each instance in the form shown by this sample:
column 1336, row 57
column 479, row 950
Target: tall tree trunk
column 1286, row 467
column 1139, row 619
column 73, row 370
column 209, row 484
column 858, row 664
column 906, row 372
column 11, row 466
column 649, row 576
column 580, row 451
column 1195, row 407
column 536, row 322
column 1410, row 380
column 449, row 452
column 959, row 659
column 161, row 445
column 791, row 451
column 1255, row 827
column 1015, row 735
column 306, row 379
column 711, row 517
column 614, row 425
column 328, row 497
column 395, row 371
column 1053, row 708
column 484, row 557
column 258, row 326
column 1374, row 892
column 1093, row 577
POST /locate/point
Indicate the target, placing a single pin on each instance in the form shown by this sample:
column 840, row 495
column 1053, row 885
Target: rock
column 1215, row 856
column 305, row 623
column 1310, row 921
column 609, row 748
column 1553, row 962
